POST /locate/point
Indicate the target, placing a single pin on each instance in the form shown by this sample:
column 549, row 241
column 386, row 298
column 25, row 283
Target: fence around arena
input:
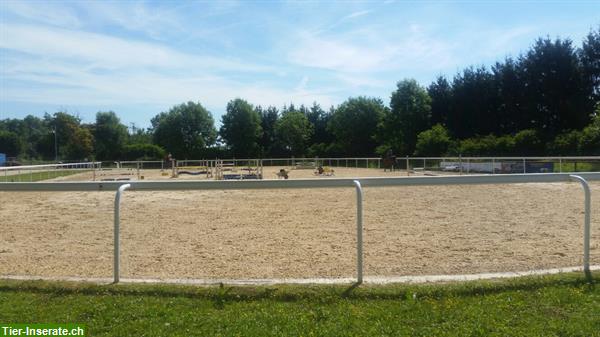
column 46, row 171
column 457, row 164
column 357, row 183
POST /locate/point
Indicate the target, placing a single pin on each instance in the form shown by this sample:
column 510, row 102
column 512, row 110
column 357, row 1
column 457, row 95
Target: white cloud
column 302, row 84
column 102, row 51
column 154, row 22
column 43, row 12
column 356, row 14
column 81, row 46
column 153, row 88
column 75, row 67
column 333, row 54
column 84, row 77
column 369, row 50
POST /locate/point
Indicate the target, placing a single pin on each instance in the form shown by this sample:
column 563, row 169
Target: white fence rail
column 517, row 164
column 356, row 183
column 81, row 165
column 46, row 171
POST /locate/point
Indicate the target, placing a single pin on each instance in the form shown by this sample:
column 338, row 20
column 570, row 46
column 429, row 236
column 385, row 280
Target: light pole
column 55, row 146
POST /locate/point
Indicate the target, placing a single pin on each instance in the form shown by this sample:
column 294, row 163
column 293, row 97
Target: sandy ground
column 297, row 233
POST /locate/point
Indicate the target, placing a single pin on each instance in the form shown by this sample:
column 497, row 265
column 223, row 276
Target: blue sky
column 141, row 58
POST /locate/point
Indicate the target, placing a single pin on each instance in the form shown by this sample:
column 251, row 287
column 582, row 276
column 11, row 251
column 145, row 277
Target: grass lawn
column 560, row 305
column 37, row 176
column 577, row 167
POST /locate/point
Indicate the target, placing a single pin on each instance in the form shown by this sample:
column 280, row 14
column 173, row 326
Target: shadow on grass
column 348, row 292
column 222, row 294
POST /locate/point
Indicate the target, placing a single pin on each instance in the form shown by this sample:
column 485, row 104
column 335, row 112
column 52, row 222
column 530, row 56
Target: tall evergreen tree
column 590, row 61
column 510, row 108
column 473, row 109
column 555, row 99
column 440, row 92
column 319, row 119
column 268, row 119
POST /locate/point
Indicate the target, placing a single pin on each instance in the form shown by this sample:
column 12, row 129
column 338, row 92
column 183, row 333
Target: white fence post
column 116, row 231
column 586, row 226
column 359, row 232
column 560, row 165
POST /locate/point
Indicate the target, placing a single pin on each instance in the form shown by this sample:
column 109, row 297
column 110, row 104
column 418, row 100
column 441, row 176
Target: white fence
column 47, row 171
column 460, row 164
column 357, row 183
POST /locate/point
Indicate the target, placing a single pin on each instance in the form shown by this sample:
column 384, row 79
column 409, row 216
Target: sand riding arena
column 295, row 233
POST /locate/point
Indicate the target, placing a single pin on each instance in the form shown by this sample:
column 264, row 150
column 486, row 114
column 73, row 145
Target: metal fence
column 44, row 172
column 459, row 164
column 357, row 184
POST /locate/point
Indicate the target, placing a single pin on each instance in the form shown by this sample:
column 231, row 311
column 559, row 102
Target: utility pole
column 55, row 145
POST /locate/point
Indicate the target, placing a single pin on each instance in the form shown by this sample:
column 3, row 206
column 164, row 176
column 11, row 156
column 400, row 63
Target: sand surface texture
column 297, row 233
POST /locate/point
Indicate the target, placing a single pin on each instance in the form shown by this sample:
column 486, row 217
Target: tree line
column 546, row 101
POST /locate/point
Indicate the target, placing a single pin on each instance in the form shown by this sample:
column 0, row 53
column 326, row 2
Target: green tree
column 30, row 132
column 319, row 119
column 433, row 142
column 241, row 129
column 566, row 144
column 440, row 92
column 409, row 114
column 489, row 145
column 589, row 144
column 74, row 142
column 139, row 136
column 354, row 125
column 268, row 120
column 9, row 143
column 81, row 146
column 185, row 131
column 293, row 131
column 590, row 60
column 110, row 136
column 528, row 143
column 509, row 107
column 474, row 104
column 36, row 132
column 554, row 88
column 143, row 151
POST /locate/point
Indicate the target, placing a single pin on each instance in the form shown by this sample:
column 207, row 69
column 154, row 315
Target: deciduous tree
column 185, row 131
column 241, row 129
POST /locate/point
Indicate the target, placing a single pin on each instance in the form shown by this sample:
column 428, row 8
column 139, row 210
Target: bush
column 528, row 143
column 143, row 152
column 589, row 144
column 318, row 150
column 489, row 145
column 434, row 142
column 565, row 144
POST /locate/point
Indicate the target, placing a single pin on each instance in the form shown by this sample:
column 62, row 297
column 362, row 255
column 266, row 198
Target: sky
column 140, row 58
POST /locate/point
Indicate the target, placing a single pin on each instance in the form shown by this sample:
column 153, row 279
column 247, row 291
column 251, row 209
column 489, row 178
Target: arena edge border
column 370, row 280
column 309, row 183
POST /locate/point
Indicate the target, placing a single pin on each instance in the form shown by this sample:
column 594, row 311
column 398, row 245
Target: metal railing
column 27, row 171
column 357, row 183
column 464, row 164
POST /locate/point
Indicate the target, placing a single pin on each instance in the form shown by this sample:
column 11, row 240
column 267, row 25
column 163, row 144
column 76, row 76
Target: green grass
column 580, row 167
column 561, row 305
column 37, row 175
